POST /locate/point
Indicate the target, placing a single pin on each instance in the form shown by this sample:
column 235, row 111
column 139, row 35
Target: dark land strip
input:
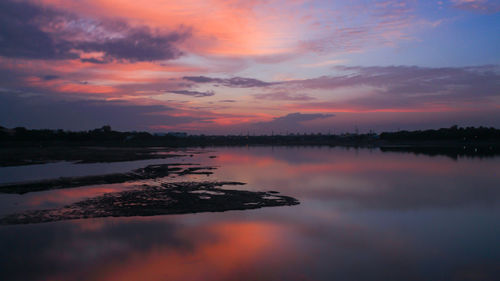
column 168, row 198
column 13, row 155
column 149, row 172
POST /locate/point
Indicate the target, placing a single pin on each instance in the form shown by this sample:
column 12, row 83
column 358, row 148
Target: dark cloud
column 95, row 60
column 234, row 82
column 35, row 32
column 292, row 121
column 227, row 101
column 50, row 77
column 284, row 96
column 201, row 79
column 193, row 93
column 137, row 45
column 21, row 34
column 44, row 112
column 298, row 117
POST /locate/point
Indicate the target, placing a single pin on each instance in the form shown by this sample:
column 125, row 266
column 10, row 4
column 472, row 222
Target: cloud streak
column 481, row 6
column 409, row 87
column 195, row 94
column 233, row 82
column 284, row 96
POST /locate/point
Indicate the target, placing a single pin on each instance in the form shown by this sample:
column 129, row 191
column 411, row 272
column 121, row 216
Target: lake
column 363, row 215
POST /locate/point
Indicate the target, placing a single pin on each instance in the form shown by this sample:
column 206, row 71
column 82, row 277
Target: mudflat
column 148, row 200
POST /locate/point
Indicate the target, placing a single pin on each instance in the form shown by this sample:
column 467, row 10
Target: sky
column 249, row 66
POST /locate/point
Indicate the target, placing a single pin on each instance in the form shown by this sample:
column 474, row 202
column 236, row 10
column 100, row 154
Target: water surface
column 364, row 215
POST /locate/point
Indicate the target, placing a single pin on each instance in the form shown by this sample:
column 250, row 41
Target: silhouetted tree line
column 101, row 134
column 452, row 133
column 105, row 135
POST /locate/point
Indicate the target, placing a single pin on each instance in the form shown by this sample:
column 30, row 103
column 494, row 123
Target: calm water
column 364, row 215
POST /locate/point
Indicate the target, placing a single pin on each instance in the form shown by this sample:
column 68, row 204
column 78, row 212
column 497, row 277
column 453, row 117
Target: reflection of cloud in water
column 234, row 250
column 56, row 198
column 365, row 178
column 221, row 247
column 158, row 249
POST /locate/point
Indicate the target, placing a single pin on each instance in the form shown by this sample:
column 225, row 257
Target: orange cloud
column 220, row 27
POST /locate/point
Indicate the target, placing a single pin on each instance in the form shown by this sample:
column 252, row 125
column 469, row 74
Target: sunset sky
column 259, row 66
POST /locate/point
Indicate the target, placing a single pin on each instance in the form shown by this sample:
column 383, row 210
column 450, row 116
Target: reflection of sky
column 67, row 169
column 364, row 215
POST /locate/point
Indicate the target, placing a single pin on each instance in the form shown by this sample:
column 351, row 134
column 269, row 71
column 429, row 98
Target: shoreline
column 30, row 153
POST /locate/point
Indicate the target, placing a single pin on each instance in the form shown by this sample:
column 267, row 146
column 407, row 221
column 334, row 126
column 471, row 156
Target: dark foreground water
column 364, row 215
